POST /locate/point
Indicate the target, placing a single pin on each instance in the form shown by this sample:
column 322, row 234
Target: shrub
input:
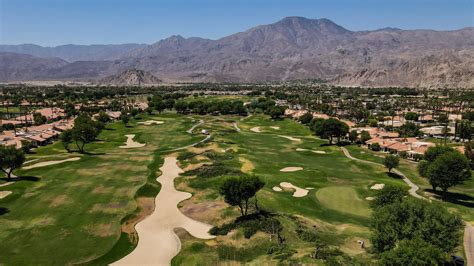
column 375, row 146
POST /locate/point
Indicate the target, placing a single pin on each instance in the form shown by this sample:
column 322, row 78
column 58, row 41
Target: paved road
column 468, row 231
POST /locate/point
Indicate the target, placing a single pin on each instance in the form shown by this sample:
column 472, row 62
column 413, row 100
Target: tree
column 414, row 218
column 103, row 117
column 125, row 119
column 364, row 136
column 414, row 252
column 85, row 131
column 448, row 169
column 276, row 112
column 10, row 159
column 391, row 161
column 411, row 116
column 159, row 105
column 469, row 152
column 330, row 128
column 39, row 119
column 181, row 107
column 306, row 118
column 433, row 152
column 465, row 130
column 66, row 139
column 238, row 191
column 409, row 129
column 444, row 120
column 353, row 136
column 375, row 146
column 388, row 195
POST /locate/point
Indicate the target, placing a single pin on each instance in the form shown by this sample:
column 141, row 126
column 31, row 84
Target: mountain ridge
column 297, row 48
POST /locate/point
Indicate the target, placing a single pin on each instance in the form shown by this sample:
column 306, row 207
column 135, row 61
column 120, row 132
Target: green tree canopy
column 388, row 195
column 11, row 158
column 414, row 218
column 449, row 169
column 414, row 252
column 238, row 191
column 391, row 161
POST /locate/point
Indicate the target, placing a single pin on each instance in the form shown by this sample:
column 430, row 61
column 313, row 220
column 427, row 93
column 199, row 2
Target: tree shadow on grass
column 21, row 178
column 94, row 153
column 3, row 211
column 453, row 197
column 109, row 129
column 393, row 175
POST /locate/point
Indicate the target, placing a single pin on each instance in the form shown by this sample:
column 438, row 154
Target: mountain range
column 292, row 48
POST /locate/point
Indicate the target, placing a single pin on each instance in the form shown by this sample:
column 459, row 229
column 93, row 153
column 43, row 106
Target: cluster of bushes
column 407, row 228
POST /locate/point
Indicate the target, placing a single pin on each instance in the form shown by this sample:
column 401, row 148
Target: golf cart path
column 158, row 243
column 469, row 244
column 190, row 131
column 236, row 126
column 468, row 230
column 413, row 187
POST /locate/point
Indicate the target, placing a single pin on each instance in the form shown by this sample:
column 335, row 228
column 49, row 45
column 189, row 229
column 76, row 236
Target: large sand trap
column 3, row 194
column 299, row 192
column 158, row 243
column 291, row 169
column 255, row 129
column 377, row 186
column 151, row 122
column 315, row 151
column 290, row 138
column 42, row 164
column 276, row 188
column 131, row 143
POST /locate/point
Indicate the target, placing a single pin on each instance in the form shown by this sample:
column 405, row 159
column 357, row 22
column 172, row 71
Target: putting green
column 343, row 199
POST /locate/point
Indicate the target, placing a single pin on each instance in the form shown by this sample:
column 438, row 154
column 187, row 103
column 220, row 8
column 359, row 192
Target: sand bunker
column 131, row 143
column 151, row 122
column 299, row 192
column 369, row 198
column 276, row 188
column 158, row 243
column 42, row 164
column 291, row 169
column 276, row 128
column 255, row 129
column 315, row 151
column 377, row 186
column 290, row 138
column 3, row 194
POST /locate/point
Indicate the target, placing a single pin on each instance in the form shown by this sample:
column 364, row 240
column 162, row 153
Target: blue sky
column 56, row 22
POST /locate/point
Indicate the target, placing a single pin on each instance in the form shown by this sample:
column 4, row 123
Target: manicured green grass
column 73, row 211
column 460, row 200
column 340, row 183
column 343, row 199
